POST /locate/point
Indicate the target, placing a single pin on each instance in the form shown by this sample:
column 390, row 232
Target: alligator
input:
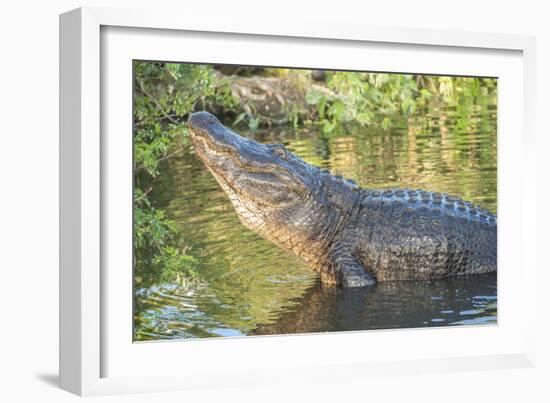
column 351, row 236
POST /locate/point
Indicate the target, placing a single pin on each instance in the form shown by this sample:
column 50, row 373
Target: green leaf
column 386, row 123
column 313, row 97
column 239, row 118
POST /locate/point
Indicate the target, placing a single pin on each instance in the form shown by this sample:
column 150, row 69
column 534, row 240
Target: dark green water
column 247, row 286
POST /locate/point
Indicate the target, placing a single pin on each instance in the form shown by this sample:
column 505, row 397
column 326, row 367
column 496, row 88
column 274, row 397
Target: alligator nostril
column 280, row 152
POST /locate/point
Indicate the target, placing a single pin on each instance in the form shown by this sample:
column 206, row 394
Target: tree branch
column 157, row 103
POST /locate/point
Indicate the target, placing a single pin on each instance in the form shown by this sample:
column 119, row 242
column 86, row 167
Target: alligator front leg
column 349, row 271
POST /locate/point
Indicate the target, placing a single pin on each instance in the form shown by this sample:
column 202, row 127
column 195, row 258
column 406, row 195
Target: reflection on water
column 453, row 301
column 248, row 286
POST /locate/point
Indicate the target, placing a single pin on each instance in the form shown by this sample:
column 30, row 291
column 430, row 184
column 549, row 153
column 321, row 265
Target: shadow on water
column 407, row 304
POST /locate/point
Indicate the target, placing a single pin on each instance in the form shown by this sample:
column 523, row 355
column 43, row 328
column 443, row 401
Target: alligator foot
column 356, row 277
column 351, row 272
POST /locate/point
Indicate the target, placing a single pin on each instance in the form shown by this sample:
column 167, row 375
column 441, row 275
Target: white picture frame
column 91, row 344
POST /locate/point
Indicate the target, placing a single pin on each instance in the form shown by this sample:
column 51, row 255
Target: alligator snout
column 214, row 135
column 205, row 125
column 202, row 121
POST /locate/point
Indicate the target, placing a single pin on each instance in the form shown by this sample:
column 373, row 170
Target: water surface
column 247, row 286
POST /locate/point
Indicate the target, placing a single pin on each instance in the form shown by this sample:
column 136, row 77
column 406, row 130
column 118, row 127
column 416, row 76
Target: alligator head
column 274, row 193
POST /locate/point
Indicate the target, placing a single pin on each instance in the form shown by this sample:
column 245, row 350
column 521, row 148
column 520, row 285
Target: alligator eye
column 280, row 152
